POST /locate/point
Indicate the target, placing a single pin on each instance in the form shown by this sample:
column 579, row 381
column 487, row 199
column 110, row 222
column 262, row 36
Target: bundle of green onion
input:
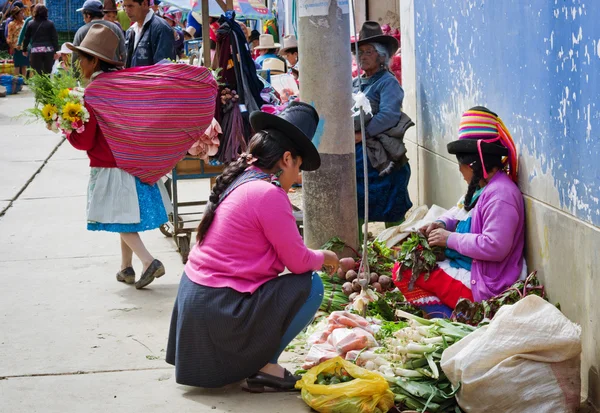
column 334, row 298
column 414, row 355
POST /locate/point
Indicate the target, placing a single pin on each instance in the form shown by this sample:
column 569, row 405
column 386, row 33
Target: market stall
column 467, row 363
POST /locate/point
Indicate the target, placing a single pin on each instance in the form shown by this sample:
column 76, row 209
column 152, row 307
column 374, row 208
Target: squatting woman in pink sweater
column 235, row 314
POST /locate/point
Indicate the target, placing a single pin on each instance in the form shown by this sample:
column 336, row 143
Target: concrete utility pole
column 329, row 194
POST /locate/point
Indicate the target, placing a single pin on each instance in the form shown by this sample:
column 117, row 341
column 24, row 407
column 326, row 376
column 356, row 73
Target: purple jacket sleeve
column 274, row 213
column 448, row 219
column 500, row 221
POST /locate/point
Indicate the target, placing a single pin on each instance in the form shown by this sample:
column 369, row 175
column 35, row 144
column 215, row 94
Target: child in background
column 63, row 64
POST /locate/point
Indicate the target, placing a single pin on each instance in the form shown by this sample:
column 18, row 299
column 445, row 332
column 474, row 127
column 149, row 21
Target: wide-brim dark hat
column 469, row 146
column 371, row 32
column 298, row 122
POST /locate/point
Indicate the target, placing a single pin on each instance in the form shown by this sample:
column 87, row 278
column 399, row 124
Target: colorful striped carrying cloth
column 152, row 115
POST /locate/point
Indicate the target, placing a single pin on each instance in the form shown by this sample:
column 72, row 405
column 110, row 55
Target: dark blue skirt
column 220, row 336
column 388, row 195
column 19, row 59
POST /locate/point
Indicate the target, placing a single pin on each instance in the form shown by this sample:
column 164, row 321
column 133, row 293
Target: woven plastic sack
column 527, row 360
column 367, row 393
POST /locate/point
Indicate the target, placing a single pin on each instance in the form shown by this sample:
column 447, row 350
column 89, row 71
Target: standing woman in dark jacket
column 41, row 35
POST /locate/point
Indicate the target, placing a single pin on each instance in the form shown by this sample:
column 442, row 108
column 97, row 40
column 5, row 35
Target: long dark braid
column 267, row 147
column 473, row 160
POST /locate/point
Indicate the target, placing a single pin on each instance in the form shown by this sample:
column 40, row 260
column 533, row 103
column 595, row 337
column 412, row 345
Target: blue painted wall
column 537, row 64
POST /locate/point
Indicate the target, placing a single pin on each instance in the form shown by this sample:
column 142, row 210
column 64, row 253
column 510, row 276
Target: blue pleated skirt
column 388, row 195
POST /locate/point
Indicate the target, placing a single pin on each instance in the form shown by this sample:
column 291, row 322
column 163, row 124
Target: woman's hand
column 25, row 54
column 332, row 261
column 439, row 237
column 426, row 230
column 358, row 137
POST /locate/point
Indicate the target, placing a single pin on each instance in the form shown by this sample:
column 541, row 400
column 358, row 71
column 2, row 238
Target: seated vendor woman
column 235, row 313
column 483, row 236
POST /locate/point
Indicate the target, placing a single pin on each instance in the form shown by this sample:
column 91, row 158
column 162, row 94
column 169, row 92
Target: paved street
column 73, row 339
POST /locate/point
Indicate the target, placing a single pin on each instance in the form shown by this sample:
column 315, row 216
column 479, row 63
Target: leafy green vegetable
column 472, row 313
column 388, row 328
column 387, row 304
column 419, row 257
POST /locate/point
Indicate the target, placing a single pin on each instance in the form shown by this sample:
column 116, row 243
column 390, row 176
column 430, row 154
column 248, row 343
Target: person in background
column 149, row 39
column 43, row 38
column 124, row 20
column 63, row 64
column 172, row 20
column 253, row 41
column 110, row 13
column 267, row 48
column 214, row 26
column 289, row 51
column 195, row 20
column 117, row 201
column 189, row 33
column 9, row 11
column 93, row 13
column 21, row 38
column 14, row 29
column 388, row 183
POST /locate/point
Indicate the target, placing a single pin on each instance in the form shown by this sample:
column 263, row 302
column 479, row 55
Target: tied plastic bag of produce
column 527, row 360
column 367, row 393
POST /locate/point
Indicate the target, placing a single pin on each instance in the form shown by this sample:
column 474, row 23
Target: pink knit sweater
column 251, row 240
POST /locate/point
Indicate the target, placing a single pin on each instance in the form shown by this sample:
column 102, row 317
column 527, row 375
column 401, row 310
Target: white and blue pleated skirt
column 120, row 202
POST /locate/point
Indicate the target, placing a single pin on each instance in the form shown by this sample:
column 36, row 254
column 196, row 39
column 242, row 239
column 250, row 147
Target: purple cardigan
column 496, row 240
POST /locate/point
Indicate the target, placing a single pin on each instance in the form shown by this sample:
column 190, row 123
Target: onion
column 352, row 296
column 355, row 285
column 377, row 287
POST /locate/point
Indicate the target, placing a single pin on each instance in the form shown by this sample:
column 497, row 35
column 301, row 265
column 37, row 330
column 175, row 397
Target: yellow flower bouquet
column 59, row 102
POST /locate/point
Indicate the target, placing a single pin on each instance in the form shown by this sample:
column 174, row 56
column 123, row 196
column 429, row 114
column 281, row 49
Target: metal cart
column 184, row 219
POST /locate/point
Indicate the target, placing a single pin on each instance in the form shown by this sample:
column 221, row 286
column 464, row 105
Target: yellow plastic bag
column 367, row 393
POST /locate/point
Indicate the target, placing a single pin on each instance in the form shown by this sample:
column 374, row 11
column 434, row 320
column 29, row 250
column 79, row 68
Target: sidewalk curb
column 30, row 180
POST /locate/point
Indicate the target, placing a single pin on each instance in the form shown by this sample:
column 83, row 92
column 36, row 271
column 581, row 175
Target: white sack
column 527, row 360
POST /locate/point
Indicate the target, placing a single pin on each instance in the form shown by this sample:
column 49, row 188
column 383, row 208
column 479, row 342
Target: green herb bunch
column 419, row 257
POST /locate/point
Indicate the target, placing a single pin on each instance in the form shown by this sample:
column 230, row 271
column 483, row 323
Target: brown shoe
column 155, row 270
column 126, row 276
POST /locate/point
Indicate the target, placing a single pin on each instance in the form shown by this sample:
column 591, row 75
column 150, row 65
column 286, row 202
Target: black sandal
column 155, row 270
column 263, row 382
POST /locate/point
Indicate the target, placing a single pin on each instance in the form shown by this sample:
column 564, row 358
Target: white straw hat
column 276, row 66
column 266, row 41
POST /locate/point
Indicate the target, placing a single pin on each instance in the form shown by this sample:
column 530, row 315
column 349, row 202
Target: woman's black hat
column 298, row 122
column 371, row 32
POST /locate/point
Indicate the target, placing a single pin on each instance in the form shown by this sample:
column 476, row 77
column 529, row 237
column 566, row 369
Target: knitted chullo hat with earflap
column 482, row 132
